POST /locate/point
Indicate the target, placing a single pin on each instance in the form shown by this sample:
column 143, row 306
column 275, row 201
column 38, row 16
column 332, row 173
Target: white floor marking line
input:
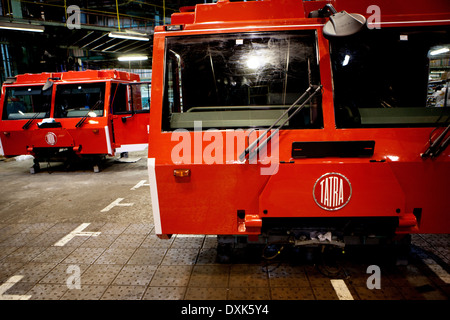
column 8, row 285
column 77, row 232
column 116, row 203
column 341, row 289
column 140, row 184
column 438, row 270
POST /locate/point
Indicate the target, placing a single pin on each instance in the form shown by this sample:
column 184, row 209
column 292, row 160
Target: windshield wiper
column 80, row 123
column 437, row 147
column 30, row 121
column 441, row 147
column 249, row 150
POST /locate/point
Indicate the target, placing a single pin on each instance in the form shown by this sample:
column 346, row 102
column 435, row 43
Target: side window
column 439, row 77
column 140, row 94
column 119, row 98
column 391, row 77
column 130, row 97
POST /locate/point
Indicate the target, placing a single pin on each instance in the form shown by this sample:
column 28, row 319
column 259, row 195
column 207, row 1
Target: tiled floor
column 130, row 262
column 118, row 256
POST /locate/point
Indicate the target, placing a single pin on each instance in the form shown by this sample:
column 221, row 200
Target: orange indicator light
column 182, row 173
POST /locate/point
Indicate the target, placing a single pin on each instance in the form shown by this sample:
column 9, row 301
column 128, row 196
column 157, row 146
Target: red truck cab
column 75, row 114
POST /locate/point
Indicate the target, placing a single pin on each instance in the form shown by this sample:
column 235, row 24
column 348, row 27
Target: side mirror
column 48, row 84
column 343, row 24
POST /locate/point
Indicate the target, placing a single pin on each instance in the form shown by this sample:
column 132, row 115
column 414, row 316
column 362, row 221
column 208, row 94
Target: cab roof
column 88, row 75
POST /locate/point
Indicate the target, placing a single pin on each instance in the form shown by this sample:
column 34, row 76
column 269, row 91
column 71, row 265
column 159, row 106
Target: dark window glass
column 119, row 98
column 139, row 101
column 240, row 80
column 79, row 100
column 388, row 77
column 26, row 103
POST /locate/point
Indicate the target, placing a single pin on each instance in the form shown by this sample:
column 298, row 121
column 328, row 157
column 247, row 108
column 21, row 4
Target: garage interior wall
column 60, row 48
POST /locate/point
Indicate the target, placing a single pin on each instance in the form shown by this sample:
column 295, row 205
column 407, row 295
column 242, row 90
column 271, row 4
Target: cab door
column 131, row 112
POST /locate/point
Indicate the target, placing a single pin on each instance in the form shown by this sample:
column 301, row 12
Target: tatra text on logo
column 50, row 138
column 332, row 191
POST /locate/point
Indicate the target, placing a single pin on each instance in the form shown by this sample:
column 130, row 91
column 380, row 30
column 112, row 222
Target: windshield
column 26, row 103
column 240, row 80
column 391, row 77
column 79, row 100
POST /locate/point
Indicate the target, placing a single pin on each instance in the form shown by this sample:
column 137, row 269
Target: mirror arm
column 328, row 8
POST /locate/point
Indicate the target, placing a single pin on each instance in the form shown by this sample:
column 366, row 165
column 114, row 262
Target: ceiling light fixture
column 132, row 58
column 439, row 51
column 21, row 27
column 129, row 36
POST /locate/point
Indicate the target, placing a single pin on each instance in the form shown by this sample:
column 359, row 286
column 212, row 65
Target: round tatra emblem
column 332, row 191
column 50, row 138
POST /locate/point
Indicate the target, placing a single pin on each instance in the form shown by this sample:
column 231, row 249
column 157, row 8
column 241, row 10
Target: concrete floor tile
column 385, row 293
column 180, row 257
column 45, row 240
column 38, row 227
column 53, row 254
column 63, row 227
column 210, row 276
column 5, row 251
column 113, row 228
column 33, row 272
column 101, row 241
column 83, row 255
column 292, row 293
column 199, row 293
column 139, row 228
column 115, row 256
column 248, row 276
column 116, row 292
column 23, row 254
column 164, row 293
column 207, row 256
column 324, row 292
column 288, row 276
column 60, row 275
column 47, row 291
column 128, row 241
column 20, row 288
column 18, row 240
column 100, row 274
column 136, row 275
column 188, row 242
column 177, row 276
column 87, row 292
column 210, row 242
column 147, row 256
column 8, row 269
column 249, row 294
column 152, row 241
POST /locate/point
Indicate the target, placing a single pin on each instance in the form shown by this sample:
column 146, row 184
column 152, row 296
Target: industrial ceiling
column 75, row 34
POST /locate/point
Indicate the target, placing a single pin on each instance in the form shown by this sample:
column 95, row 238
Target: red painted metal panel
column 394, row 182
